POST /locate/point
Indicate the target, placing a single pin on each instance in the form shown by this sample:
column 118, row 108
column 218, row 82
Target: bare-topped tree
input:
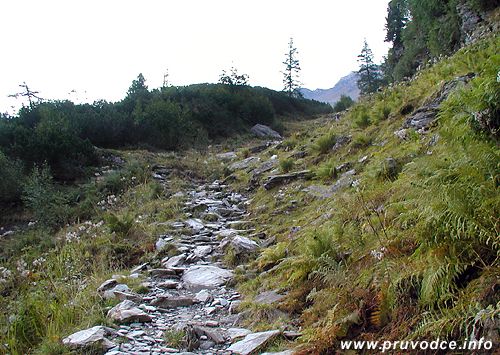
column 234, row 78
column 292, row 70
column 30, row 94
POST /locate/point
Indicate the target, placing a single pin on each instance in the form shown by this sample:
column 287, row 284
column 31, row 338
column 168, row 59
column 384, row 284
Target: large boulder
column 261, row 130
column 200, row 277
column 92, row 337
column 127, row 312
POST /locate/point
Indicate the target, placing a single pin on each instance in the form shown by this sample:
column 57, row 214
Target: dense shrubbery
column 63, row 134
column 10, row 183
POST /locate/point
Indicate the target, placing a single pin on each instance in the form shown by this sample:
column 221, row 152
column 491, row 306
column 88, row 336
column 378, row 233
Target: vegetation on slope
column 411, row 250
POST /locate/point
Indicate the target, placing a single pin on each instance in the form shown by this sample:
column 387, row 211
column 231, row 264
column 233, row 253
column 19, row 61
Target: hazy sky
column 98, row 47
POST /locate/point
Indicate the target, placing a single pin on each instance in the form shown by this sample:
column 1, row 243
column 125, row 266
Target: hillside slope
column 389, row 231
column 379, row 226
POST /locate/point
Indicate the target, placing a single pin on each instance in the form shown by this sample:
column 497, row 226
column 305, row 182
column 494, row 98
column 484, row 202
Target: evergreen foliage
column 343, row 104
column 291, row 73
column 369, row 73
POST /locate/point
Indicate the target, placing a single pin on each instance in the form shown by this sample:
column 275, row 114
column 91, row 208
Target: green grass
column 325, row 143
column 415, row 245
column 286, row 165
column 54, row 273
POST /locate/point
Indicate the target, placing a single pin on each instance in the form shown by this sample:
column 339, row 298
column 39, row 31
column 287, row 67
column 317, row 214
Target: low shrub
column 325, row 143
column 286, row 165
column 48, row 205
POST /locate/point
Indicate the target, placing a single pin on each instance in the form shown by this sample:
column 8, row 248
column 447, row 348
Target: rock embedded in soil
column 243, row 245
column 275, row 180
column 200, row 277
column 268, row 297
column 261, row 130
column 169, row 301
column 92, row 337
column 127, row 312
column 252, row 343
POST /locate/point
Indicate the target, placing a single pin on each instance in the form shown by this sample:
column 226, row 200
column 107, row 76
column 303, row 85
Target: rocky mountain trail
column 186, row 301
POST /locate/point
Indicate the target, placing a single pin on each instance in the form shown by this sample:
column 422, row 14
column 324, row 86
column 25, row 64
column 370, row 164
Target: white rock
column 203, row 296
column 195, row 224
column 202, row 251
column 90, row 337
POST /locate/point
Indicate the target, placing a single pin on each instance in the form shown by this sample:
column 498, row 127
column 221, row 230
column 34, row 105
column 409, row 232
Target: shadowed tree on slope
column 291, row 73
column 369, row 73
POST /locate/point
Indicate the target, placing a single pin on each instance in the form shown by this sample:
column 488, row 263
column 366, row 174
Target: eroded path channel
column 188, row 300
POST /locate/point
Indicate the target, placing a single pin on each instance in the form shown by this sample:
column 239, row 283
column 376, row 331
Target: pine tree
column 397, row 17
column 291, row 73
column 369, row 73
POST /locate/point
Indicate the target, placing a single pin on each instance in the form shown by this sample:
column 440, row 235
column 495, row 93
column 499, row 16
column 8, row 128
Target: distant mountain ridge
column 348, row 85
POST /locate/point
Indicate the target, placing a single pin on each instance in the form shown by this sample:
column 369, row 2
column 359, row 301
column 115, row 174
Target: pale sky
column 98, row 47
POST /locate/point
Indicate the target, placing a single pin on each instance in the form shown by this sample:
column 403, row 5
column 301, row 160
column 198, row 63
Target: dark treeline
column 64, row 135
column 421, row 30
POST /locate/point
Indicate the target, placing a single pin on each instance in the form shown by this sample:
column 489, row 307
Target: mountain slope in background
column 348, row 85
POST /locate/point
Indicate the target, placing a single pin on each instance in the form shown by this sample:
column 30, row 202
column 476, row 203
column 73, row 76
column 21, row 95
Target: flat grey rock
column 268, row 297
column 174, row 261
column 243, row 245
column 253, row 342
column 127, row 312
column 111, row 293
column 95, row 336
column 200, row 277
column 261, row 130
column 244, row 164
column 238, row 333
column 169, row 301
column 276, row 180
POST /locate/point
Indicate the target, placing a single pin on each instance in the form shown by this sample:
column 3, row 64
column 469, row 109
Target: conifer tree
column 369, row 73
column 292, row 70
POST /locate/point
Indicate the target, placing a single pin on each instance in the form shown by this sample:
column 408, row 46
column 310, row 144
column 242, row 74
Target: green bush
column 121, row 225
column 361, row 141
column 325, row 143
column 327, row 171
column 286, row 165
column 343, row 104
column 361, row 117
column 48, row 205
